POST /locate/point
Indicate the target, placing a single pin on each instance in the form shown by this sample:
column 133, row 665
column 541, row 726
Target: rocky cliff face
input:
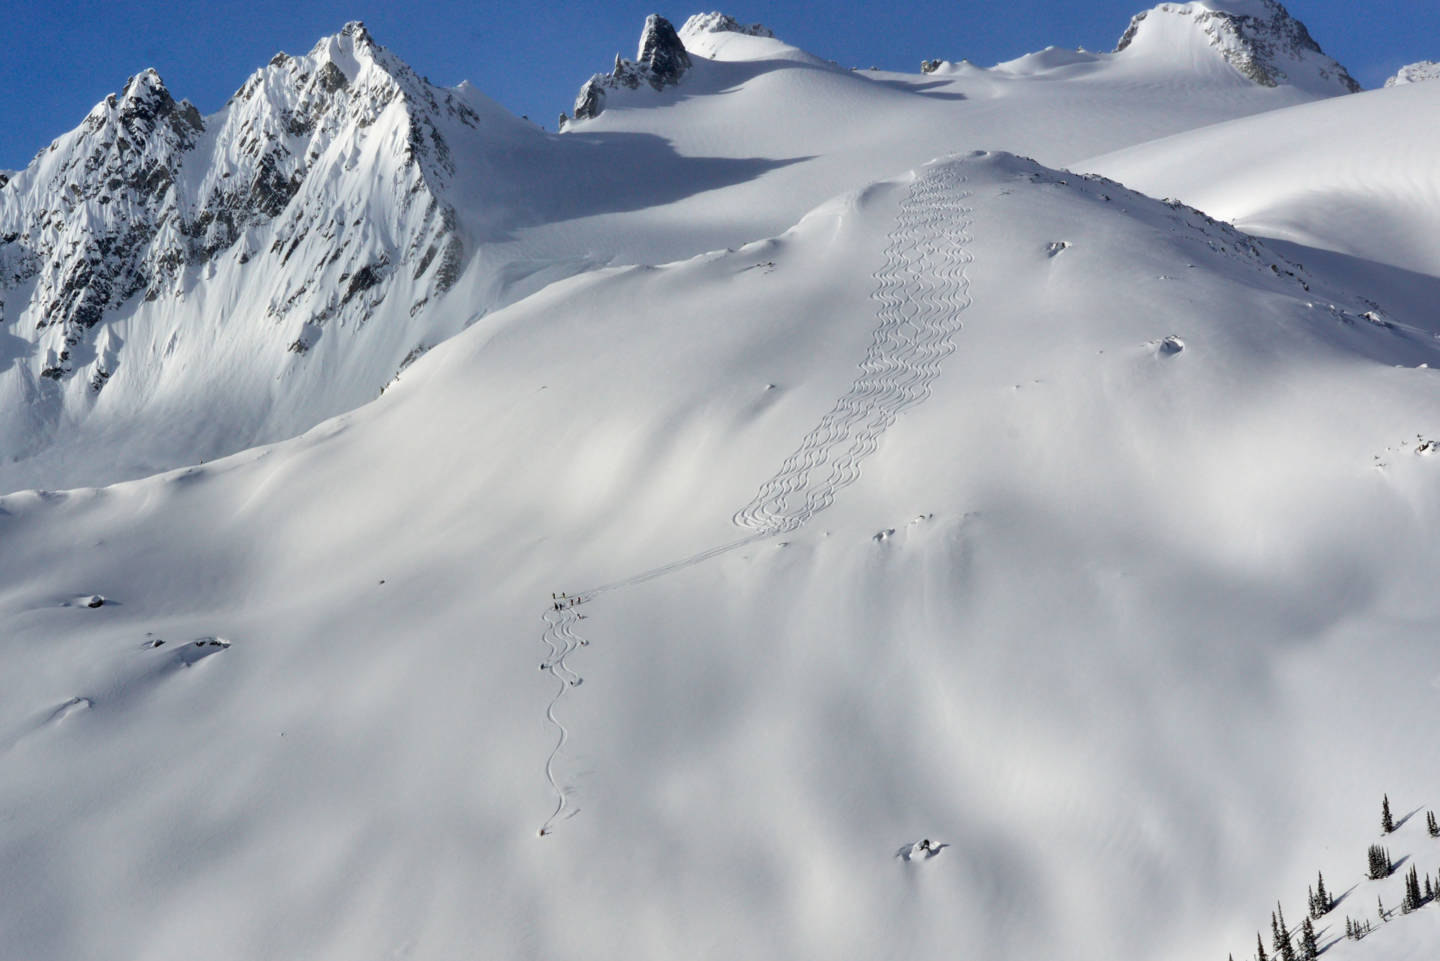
column 1259, row 38
column 152, row 254
column 660, row 62
column 145, row 188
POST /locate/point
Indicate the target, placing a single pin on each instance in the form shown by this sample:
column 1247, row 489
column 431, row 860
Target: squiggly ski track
column 922, row 288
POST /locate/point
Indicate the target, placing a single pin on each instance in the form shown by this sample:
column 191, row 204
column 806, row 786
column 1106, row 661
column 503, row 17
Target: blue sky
column 61, row 58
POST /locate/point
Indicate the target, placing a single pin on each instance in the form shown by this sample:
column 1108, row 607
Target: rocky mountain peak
column 134, row 196
column 660, row 61
column 1259, row 38
column 716, row 22
column 1415, row 73
column 661, row 52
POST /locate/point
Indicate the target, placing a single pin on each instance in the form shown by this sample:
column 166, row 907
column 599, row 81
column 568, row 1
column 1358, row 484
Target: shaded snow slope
column 1155, row 519
column 1354, row 175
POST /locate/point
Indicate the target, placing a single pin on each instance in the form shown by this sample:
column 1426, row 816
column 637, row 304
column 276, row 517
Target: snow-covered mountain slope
column 1355, row 175
column 176, row 287
column 1257, row 38
column 1108, row 570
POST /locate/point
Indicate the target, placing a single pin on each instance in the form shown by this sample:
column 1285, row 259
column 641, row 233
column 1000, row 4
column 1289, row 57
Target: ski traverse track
column 921, row 290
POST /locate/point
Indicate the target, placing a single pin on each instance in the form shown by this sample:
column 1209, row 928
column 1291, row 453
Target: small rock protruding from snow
column 1260, row 39
column 717, row 22
column 1410, row 73
column 922, row 850
column 1171, row 345
column 1054, row 247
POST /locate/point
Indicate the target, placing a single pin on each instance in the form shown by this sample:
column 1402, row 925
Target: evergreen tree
column 1387, row 823
column 1309, row 948
column 1379, row 862
column 1349, row 928
column 1380, row 906
column 1285, row 951
column 1260, row 954
column 1322, row 897
column 1432, row 824
column 1429, row 889
column 1412, row 892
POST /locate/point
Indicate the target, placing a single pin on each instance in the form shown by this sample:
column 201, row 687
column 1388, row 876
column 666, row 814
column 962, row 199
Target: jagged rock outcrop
column 660, row 62
column 146, row 187
column 716, row 22
column 1415, row 73
column 1259, row 38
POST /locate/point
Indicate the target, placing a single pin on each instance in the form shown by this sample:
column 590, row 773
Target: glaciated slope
column 806, row 128
column 1354, row 175
column 1078, row 614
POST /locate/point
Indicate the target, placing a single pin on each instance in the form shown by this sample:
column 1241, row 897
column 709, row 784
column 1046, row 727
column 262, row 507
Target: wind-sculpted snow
column 921, row 291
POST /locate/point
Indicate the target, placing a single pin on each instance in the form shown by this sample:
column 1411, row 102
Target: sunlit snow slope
column 1079, row 616
column 799, row 484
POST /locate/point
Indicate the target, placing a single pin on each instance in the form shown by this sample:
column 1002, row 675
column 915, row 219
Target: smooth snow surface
column 799, row 484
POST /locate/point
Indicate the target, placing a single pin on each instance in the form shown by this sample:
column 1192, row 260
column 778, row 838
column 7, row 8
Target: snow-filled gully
column 921, row 289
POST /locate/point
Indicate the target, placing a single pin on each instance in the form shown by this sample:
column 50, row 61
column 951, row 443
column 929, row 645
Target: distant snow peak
column 1410, row 73
column 660, row 61
column 1260, row 39
column 715, row 22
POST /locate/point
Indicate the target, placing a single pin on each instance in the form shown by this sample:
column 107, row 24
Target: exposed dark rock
column 661, row 52
column 591, row 99
column 930, row 66
column 660, row 62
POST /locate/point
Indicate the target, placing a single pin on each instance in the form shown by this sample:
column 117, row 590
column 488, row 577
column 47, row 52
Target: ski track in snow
column 922, row 289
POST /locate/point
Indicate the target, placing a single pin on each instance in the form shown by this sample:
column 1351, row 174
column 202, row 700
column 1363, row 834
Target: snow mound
column 1415, row 73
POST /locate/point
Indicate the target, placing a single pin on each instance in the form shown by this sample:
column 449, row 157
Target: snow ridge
column 716, row 22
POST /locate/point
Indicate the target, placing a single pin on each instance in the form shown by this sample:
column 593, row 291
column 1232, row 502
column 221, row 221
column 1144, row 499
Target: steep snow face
column 1258, row 38
column 1077, row 586
column 1415, row 73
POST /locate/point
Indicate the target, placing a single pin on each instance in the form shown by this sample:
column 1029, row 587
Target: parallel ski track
column 921, row 289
